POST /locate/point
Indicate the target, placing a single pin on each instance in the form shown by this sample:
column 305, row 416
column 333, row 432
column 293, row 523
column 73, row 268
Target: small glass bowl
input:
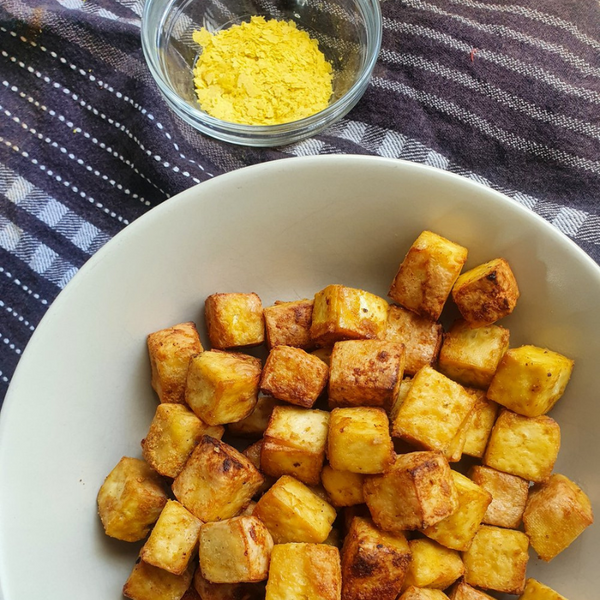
column 348, row 32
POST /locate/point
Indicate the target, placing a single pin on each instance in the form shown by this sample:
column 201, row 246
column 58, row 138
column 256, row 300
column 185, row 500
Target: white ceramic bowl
column 81, row 396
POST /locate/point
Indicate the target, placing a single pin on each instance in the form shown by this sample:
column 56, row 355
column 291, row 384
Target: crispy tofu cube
column 433, row 411
column 235, row 550
column 344, row 313
column 479, row 424
column 365, row 373
column 421, row 337
column 557, row 513
column 463, row 591
column 509, row 496
column 288, row 324
column 234, row 320
column 497, row 560
column 416, row 593
column 457, row 530
column 534, row 590
column 294, row 376
column 217, row 481
column 292, row 512
column 227, row 591
column 255, row 424
column 471, row 356
column 427, row 273
column 344, row 488
column 170, row 351
column 174, row 433
column 323, row 354
column 294, row 443
column 173, row 540
column 416, row 492
column 304, row 572
column 486, row 293
column 147, row 582
column 530, row 380
column 374, row 563
column 359, row 440
column 222, row 387
column 523, row 446
column 130, row 500
column 432, row 565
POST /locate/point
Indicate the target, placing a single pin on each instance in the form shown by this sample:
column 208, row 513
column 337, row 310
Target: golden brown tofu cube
column 374, row 563
column 222, row 387
column 147, row 582
column 497, row 560
column 217, row 481
column 170, row 351
column 432, row 565
column 534, row 590
column 509, row 496
column 130, row 500
column 235, row 550
column 421, row 337
column 557, row 513
column 470, row 356
column 288, row 324
column 294, row 443
column 479, row 424
column 427, row 273
column 294, row 513
column 173, row 540
column 486, row 293
column 323, row 354
column 255, row 424
column 530, row 380
column 433, row 411
column 227, row 591
column 416, row 593
column 359, row 440
column 523, row 446
column 234, row 320
column 463, row 591
column 416, row 492
column 343, row 487
column 294, row 376
column 344, row 313
column 365, row 373
column 174, row 433
column 304, row 572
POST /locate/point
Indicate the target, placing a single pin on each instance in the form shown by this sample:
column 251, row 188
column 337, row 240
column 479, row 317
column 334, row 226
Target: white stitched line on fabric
column 8, row 343
column 495, row 93
column 134, row 6
column 24, row 287
column 13, row 313
column 91, row 8
column 507, row 62
column 501, row 30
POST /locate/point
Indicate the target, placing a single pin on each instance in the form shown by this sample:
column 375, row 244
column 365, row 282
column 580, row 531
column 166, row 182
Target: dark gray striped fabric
column 505, row 92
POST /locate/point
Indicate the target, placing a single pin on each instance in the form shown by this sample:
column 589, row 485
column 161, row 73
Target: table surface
column 504, row 92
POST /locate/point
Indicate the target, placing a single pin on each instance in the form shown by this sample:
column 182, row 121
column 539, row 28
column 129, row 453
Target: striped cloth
column 504, row 92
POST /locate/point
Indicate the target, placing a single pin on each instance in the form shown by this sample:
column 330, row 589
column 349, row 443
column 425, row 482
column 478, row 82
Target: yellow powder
column 261, row 73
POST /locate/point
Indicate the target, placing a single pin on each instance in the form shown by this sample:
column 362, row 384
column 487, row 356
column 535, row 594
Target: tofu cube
column 427, row 273
column 234, row 320
column 255, row 424
column 523, row 446
column 433, row 411
column 416, row 492
column 217, row 481
column 222, row 387
column 374, row 563
column 432, row 565
column 344, row 313
column 227, row 591
column 416, row 593
column 479, row 424
column 457, row 530
column 304, row 572
column 288, row 324
column 235, row 550
column 497, row 560
column 471, row 356
column 359, row 440
column 147, row 582
column 534, row 590
column 292, row 512
column 557, row 513
column 343, row 488
column 463, row 591
column 252, row 453
column 509, row 496
column 130, row 500
column 173, row 540
column 486, row 293
column 174, row 433
column 170, row 351
column 294, row 443
column 365, row 373
column 421, row 337
column 293, row 375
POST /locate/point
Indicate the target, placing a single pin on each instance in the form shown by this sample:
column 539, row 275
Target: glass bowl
column 348, row 32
